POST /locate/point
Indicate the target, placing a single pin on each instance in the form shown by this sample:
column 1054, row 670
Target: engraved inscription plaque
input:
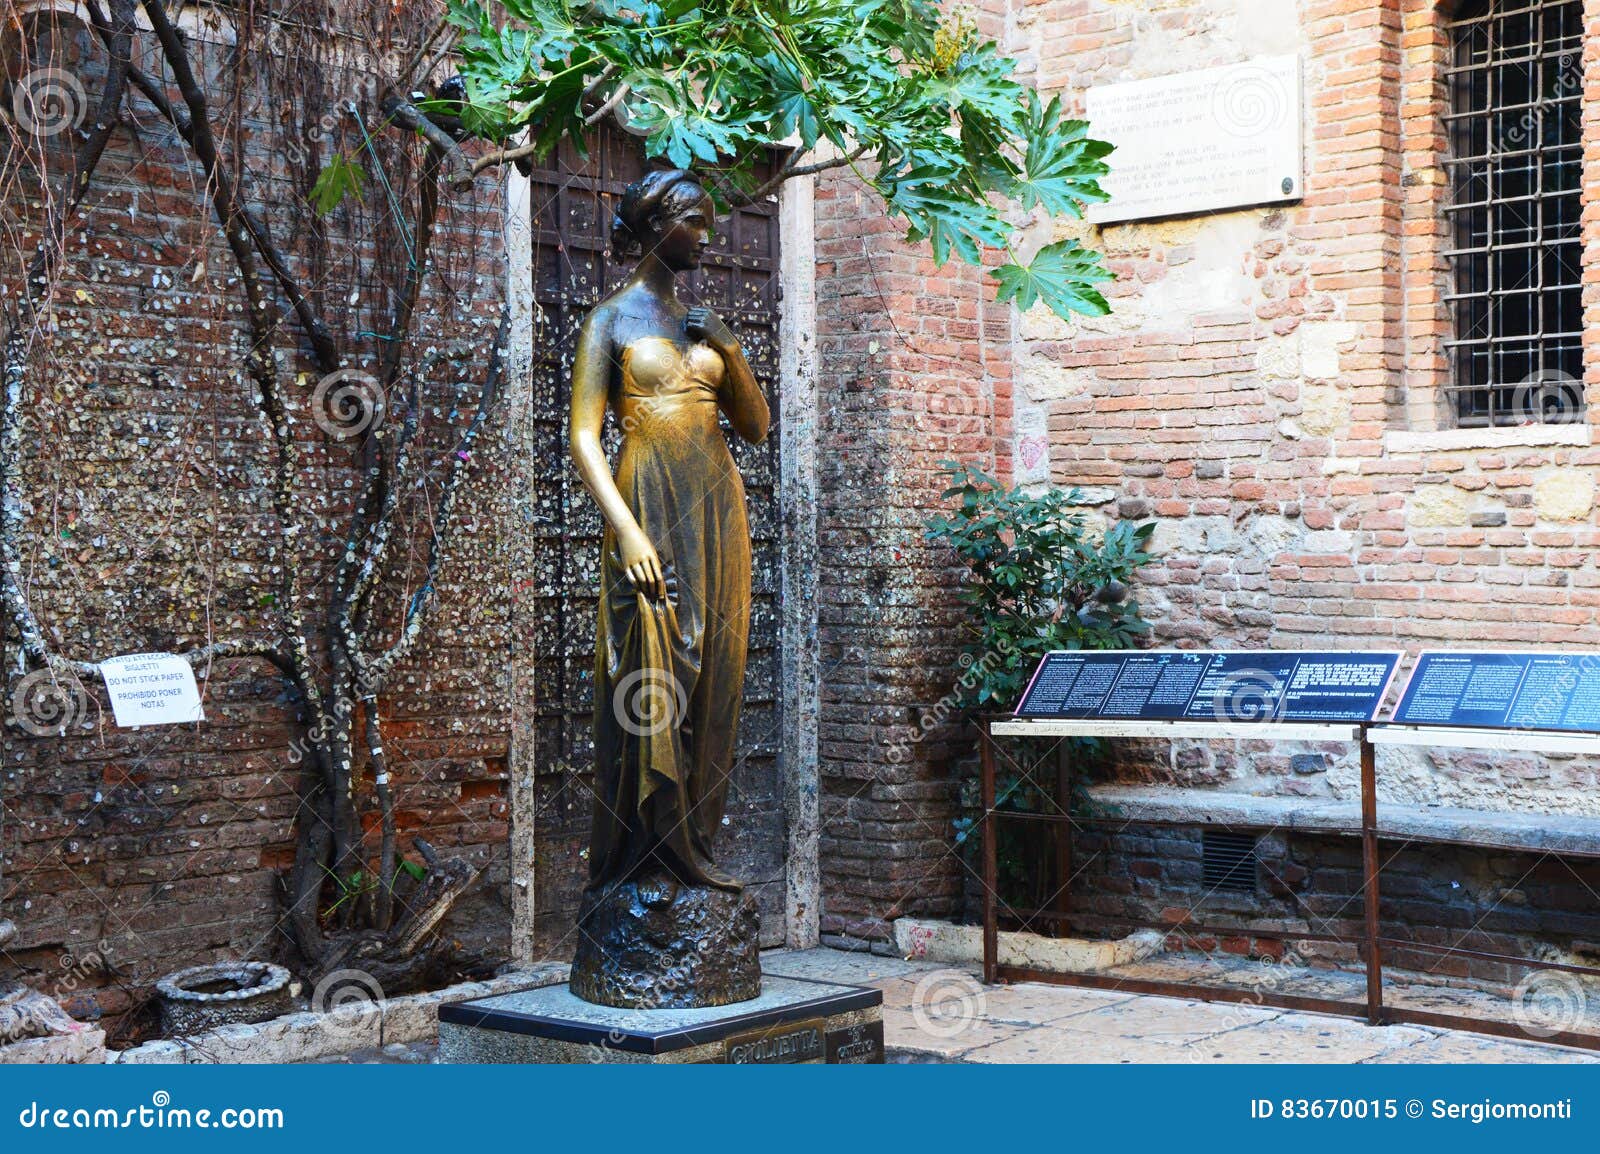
column 1200, row 141
column 856, row 1045
column 777, row 1045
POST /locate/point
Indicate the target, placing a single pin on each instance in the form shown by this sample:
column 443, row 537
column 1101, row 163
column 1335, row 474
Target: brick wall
column 146, row 477
column 1509, row 904
column 1267, row 390
column 914, row 368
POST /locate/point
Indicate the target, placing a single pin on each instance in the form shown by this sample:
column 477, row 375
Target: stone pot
column 225, row 993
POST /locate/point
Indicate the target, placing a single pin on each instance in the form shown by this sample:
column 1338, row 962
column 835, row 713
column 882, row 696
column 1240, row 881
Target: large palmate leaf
column 714, row 83
column 1062, row 167
column 1061, row 275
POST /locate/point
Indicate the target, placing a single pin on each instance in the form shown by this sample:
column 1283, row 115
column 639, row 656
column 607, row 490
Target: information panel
column 1185, row 685
column 1484, row 690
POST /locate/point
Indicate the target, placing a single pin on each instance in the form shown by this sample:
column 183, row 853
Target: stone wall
column 146, row 476
column 1501, row 903
column 1267, row 390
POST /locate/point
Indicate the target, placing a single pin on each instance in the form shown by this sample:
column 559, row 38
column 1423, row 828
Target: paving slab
column 1475, row 1049
column 1316, row 1038
column 1041, row 1044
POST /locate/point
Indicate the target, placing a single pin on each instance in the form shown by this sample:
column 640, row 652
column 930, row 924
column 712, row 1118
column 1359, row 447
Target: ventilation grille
column 1229, row 861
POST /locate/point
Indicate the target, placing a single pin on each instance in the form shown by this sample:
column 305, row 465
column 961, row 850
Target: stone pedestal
column 792, row 1020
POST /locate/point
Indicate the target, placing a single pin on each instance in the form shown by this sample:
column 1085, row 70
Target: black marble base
column 793, row 1020
column 651, row 944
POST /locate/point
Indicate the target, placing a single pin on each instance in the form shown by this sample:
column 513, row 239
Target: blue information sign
column 1503, row 691
column 1183, row 685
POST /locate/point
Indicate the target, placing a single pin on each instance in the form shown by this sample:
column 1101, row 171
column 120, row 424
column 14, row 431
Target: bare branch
column 261, row 361
column 609, row 106
column 792, row 168
column 323, row 345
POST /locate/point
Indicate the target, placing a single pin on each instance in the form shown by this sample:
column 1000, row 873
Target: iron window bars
column 1515, row 84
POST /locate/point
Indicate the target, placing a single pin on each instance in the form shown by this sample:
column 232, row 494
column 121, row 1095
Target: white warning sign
column 152, row 689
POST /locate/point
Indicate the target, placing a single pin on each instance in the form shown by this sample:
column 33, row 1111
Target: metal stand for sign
column 1372, row 942
column 1521, row 741
column 1214, row 730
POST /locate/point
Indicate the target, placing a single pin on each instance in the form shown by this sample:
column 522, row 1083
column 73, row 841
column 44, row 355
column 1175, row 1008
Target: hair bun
column 639, row 202
column 624, row 241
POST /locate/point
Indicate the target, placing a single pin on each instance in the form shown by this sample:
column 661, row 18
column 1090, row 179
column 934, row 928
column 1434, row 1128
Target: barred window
column 1515, row 85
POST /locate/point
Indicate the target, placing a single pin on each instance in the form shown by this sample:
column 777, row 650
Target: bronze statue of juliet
column 660, row 925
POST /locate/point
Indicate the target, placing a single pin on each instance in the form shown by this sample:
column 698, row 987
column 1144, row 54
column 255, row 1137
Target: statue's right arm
column 591, row 378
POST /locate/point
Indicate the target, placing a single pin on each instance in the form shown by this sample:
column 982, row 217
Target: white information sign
column 152, row 689
column 1200, row 141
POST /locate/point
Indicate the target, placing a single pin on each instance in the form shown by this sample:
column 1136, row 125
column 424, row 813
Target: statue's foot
column 657, row 893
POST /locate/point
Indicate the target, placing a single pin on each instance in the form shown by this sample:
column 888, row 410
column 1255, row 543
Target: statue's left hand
column 703, row 324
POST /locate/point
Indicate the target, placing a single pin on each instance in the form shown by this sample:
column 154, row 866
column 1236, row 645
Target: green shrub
column 1039, row 580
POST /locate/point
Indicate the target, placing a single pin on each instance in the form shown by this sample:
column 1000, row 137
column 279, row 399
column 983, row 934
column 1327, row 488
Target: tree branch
column 261, row 361
column 792, row 168
column 401, row 111
column 323, row 345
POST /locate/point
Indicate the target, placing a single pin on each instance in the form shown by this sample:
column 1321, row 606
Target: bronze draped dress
column 669, row 674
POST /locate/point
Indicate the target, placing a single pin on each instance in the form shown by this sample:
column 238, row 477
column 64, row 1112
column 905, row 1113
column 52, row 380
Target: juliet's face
column 685, row 233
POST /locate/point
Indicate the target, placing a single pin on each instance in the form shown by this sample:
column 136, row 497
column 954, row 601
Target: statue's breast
column 657, row 366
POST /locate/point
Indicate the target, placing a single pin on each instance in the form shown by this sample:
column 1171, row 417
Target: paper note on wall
column 152, row 689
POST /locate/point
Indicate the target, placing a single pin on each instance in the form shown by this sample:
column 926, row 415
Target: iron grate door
column 572, row 201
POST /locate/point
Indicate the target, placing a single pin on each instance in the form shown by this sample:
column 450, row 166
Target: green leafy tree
column 918, row 104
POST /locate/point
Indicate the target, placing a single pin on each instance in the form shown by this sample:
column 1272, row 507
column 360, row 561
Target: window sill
column 1508, row 437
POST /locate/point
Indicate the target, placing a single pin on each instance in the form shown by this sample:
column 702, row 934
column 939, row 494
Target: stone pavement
column 941, row 1013
column 935, row 1012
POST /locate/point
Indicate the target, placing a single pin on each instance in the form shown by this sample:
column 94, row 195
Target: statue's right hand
column 642, row 565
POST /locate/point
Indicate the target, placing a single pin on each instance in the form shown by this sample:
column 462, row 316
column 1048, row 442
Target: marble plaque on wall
column 1200, row 141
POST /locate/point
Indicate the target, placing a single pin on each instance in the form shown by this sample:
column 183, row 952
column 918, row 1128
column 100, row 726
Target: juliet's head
column 667, row 213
